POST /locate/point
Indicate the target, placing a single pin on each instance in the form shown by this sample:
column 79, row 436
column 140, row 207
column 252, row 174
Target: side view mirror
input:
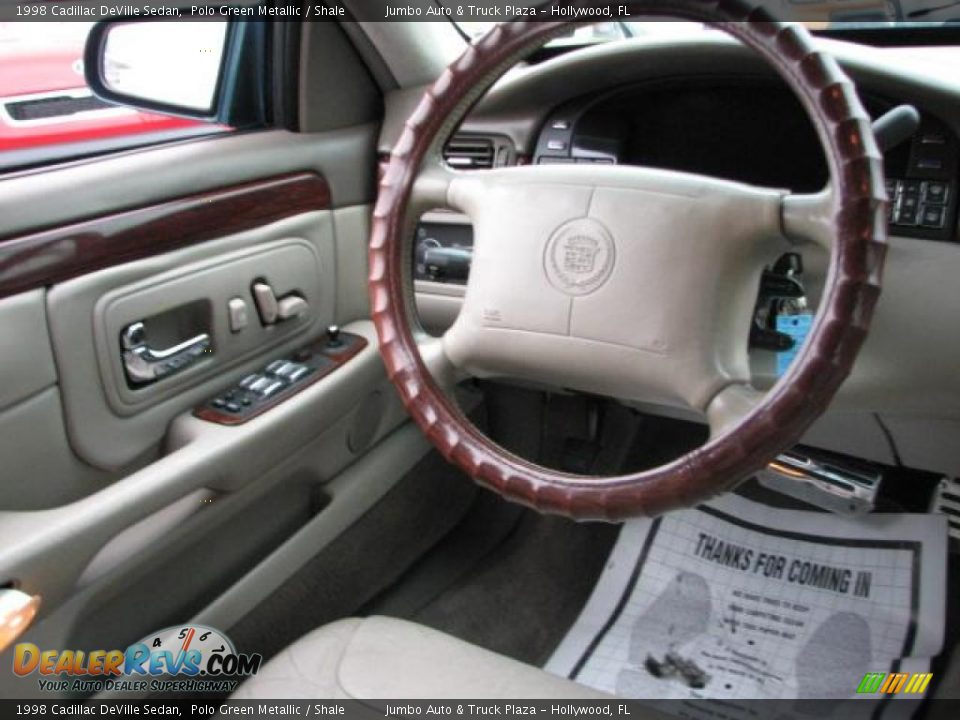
column 174, row 68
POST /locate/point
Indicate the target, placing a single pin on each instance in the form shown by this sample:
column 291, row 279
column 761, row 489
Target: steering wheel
column 631, row 282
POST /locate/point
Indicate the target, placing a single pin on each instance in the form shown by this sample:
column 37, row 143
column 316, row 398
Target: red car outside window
column 44, row 100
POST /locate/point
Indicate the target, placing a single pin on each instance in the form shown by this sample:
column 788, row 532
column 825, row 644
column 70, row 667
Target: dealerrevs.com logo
column 192, row 658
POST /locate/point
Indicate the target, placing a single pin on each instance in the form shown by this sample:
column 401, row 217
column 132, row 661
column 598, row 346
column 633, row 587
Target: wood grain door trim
column 44, row 258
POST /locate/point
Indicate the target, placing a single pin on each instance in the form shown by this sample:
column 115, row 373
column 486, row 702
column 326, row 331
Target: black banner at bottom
column 432, row 709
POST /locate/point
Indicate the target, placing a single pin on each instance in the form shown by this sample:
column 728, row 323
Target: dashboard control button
column 932, row 216
column 930, row 164
column 909, row 202
column 219, row 403
column 560, row 125
column 233, row 407
column 906, row 216
column 556, row 144
column 935, row 192
column 910, row 187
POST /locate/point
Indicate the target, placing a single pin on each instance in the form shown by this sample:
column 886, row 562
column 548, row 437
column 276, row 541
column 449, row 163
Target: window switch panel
column 280, row 379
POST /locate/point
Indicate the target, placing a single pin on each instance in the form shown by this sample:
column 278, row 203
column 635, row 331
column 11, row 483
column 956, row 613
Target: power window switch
column 239, row 316
column 259, row 387
column 273, row 388
column 297, row 373
column 291, row 372
column 275, row 367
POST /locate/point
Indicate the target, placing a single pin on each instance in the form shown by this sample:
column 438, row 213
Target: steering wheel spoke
column 730, row 406
column 808, row 217
column 438, row 363
column 432, row 187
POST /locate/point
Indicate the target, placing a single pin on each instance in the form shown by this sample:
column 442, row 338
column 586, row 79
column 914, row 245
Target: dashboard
column 754, row 132
column 747, row 130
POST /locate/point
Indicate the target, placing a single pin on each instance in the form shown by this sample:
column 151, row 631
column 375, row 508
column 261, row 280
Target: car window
column 45, row 102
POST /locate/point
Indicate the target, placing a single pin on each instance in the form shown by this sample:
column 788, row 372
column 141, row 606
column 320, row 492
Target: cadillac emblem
column 579, row 256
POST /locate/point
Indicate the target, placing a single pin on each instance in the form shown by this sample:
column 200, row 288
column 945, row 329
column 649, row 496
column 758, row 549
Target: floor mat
column 737, row 600
column 507, row 579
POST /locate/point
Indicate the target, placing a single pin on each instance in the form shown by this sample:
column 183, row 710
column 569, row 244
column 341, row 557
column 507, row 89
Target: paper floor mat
column 737, row 600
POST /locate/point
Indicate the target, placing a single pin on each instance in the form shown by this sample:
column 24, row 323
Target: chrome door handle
column 144, row 364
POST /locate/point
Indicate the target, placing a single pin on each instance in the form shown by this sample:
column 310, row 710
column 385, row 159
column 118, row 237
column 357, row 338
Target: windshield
column 815, row 14
column 602, row 32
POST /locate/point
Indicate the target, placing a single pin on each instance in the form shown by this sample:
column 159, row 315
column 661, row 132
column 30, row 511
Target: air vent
column 470, row 153
column 54, row 107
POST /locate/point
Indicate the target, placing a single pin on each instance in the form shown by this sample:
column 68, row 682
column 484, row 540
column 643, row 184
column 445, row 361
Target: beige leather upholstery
column 385, row 658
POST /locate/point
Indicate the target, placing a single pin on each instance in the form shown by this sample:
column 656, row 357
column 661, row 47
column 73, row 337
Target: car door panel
column 111, row 491
column 29, row 359
column 137, row 592
column 39, row 470
column 38, row 467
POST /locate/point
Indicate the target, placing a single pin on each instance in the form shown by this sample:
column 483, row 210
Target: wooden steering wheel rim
column 849, row 297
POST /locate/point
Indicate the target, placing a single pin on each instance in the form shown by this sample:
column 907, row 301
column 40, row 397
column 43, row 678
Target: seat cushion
column 386, row 658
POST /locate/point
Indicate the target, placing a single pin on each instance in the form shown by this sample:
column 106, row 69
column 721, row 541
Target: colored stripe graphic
column 893, row 683
column 871, row 682
column 918, row 683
